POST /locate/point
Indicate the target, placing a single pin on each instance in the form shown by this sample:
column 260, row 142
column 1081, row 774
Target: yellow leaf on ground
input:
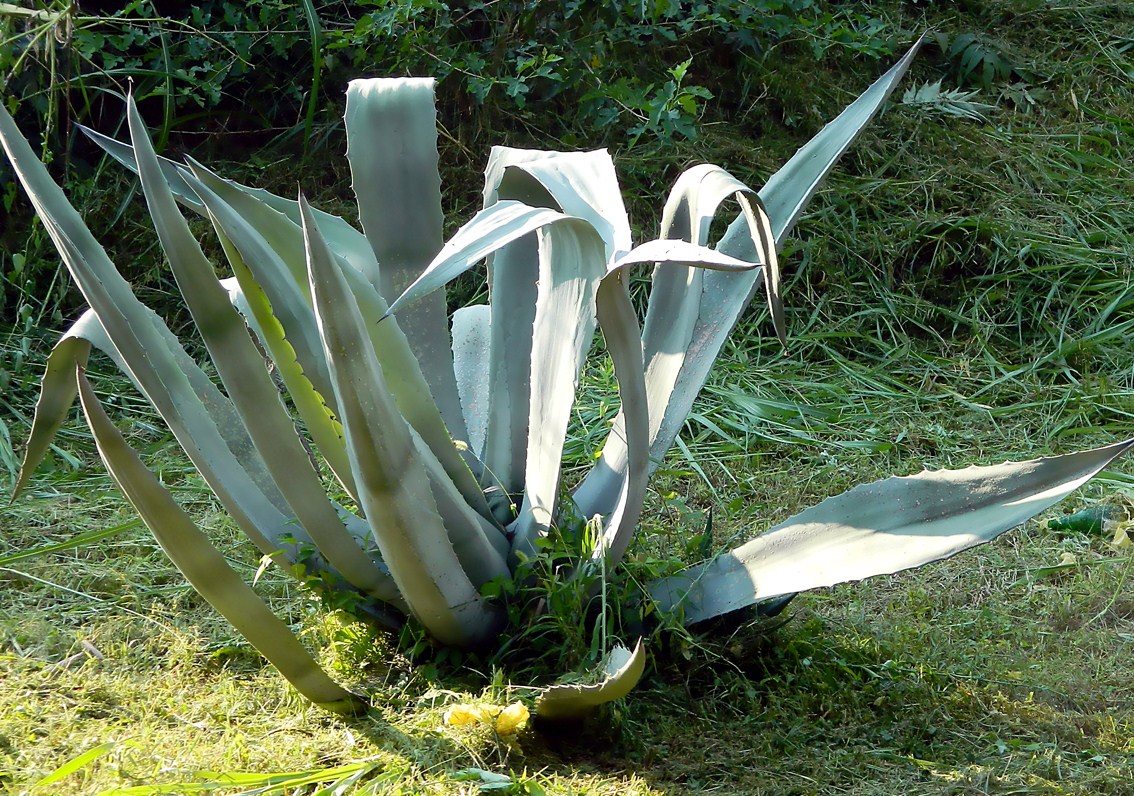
column 1121, row 540
column 512, row 719
column 466, row 714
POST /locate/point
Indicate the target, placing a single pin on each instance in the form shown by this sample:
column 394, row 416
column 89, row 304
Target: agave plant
column 442, row 437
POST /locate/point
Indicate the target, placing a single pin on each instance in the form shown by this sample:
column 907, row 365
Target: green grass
column 960, row 293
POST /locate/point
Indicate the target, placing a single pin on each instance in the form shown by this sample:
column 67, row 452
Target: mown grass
column 961, row 293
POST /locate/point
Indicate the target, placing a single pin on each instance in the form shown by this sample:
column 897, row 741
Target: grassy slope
column 954, row 298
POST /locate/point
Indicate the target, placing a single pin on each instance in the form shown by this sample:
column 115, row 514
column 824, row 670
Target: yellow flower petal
column 512, row 719
column 464, row 715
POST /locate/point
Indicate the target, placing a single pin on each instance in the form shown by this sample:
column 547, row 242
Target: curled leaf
column 621, row 671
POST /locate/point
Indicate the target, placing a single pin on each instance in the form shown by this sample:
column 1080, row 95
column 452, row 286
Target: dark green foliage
column 978, row 62
column 625, row 70
column 225, row 79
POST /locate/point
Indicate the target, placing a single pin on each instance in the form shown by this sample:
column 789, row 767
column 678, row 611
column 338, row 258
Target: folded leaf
column 619, row 323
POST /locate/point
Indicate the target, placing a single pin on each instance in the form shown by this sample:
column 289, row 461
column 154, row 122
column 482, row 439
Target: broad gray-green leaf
column 471, row 337
column 254, row 394
column 344, row 240
column 391, row 127
column 620, row 672
column 206, row 569
column 200, row 417
column 494, row 229
column 320, row 420
column 512, row 308
column 273, row 273
column 572, row 261
column 879, row 529
column 394, row 485
column 619, row 323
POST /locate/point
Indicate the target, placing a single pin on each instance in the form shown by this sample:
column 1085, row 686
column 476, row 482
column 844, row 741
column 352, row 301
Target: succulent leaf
column 879, row 529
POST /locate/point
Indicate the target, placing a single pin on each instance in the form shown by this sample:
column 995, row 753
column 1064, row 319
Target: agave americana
column 446, row 434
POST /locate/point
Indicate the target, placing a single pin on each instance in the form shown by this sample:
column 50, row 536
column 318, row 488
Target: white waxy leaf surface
column 879, row 529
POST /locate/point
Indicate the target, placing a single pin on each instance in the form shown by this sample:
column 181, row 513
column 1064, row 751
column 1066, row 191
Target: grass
column 961, row 293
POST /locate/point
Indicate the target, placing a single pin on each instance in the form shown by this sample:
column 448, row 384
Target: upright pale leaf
column 393, row 483
column 619, row 323
column 391, row 129
column 472, row 335
column 674, row 307
column 572, row 260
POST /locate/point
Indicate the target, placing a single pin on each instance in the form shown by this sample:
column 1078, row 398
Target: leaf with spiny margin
column 320, row 420
column 620, row 672
column 673, row 311
column 394, row 486
column 572, row 261
column 879, row 529
column 472, row 334
column 584, row 185
column 512, row 302
column 486, row 232
column 391, row 127
column 278, row 273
